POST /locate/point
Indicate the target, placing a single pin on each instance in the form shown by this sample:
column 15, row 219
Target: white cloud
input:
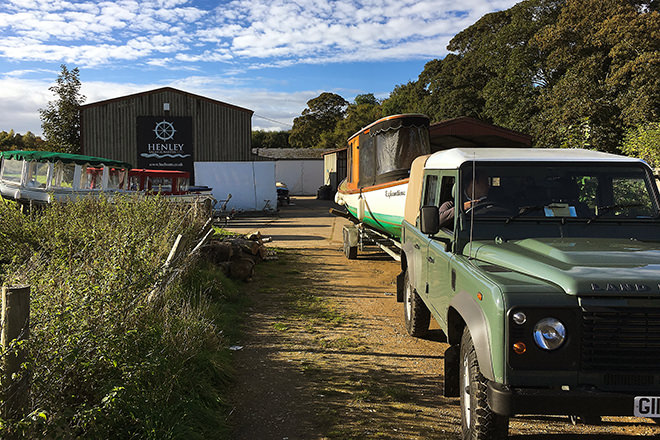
column 21, row 98
column 250, row 31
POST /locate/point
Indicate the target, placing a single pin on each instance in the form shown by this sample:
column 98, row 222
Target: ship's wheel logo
column 164, row 130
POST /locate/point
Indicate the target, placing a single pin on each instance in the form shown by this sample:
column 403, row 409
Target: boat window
column 37, row 175
column 92, row 178
column 63, row 175
column 367, row 158
column 184, row 183
column 134, row 183
column 12, row 170
column 160, row 184
column 396, row 149
column 117, row 178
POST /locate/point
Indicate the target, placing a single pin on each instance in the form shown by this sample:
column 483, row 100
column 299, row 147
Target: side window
column 430, row 190
column 446, row 190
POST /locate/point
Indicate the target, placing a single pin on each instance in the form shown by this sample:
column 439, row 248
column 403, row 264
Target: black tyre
column 351, row 252
column 417, row 315
column 478, row 421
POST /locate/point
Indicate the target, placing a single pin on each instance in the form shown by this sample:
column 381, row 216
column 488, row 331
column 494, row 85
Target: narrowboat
column 378, row 169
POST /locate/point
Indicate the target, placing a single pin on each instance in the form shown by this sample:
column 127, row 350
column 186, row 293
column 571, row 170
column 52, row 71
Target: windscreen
column 543, row 190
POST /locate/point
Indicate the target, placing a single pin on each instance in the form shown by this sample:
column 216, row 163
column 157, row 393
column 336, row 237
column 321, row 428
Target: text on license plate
column 647, row 406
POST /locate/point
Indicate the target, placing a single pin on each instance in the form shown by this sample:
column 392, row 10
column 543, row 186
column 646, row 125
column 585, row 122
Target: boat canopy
column 49, row 156
column 385, row 149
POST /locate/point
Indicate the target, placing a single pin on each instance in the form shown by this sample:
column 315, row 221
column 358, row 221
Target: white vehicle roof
column 454, row 158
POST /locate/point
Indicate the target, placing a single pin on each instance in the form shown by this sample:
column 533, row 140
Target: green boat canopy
column 49, row 156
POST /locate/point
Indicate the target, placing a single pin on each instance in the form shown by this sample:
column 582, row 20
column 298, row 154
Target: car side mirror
column 429, row 220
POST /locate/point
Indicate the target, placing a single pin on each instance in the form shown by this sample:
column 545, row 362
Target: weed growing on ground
column 109, row 356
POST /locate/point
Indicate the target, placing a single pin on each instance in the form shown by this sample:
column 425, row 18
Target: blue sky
column 270, row 56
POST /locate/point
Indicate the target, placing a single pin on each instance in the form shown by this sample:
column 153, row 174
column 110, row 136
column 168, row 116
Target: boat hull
column 380, row 207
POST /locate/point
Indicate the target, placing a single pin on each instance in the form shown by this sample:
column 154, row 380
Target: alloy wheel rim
column 408, row 303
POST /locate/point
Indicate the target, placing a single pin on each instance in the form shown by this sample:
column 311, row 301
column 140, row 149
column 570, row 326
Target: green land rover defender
column 544, row 278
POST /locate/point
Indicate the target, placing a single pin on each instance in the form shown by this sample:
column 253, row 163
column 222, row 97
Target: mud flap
column 451, row 386
column 399, row 286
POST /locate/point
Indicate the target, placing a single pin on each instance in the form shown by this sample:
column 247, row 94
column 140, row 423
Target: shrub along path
column 326, row 356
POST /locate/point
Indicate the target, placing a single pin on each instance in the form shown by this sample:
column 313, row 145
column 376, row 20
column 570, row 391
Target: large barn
column 171, row 129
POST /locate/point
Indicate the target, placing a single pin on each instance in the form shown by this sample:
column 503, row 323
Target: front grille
column 621, row 339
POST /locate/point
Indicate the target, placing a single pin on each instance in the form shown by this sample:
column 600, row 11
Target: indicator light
column 519, row 348
column 480, row 296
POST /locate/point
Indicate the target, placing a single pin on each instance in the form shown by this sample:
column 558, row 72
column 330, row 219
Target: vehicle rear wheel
column 417, row 315
column 478, row 421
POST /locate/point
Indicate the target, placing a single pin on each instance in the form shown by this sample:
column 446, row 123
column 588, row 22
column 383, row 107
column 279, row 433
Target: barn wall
column 221, row 132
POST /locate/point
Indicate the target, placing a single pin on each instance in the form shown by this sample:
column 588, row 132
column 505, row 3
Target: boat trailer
column 356, row 236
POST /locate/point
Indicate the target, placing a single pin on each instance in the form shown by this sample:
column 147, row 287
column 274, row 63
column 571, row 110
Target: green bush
column 110, row 355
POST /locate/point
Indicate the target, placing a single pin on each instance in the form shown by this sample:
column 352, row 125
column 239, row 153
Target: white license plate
column 647, row 406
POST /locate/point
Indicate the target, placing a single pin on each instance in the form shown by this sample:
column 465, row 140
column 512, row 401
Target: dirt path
column 326, row 356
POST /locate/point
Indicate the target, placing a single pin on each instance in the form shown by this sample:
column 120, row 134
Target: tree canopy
column 10, row 140
column 573, row 73
column 318, row 119
column 60, row 120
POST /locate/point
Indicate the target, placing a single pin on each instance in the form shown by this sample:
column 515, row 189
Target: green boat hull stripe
column 390, row 223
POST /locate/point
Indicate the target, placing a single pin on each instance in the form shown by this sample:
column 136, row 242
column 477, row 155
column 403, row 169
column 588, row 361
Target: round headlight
column 549, row 333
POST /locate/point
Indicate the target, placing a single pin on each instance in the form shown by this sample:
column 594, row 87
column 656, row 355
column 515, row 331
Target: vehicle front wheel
column 478, row 421
column 417, row 315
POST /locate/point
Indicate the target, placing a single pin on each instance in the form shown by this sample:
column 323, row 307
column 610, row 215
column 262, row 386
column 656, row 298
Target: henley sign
column 165, row 143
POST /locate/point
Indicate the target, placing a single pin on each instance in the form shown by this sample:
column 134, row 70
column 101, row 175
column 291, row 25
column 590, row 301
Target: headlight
column 549, row 333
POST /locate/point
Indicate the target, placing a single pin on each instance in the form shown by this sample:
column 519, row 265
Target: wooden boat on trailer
column 378, row 169
column 42, row 177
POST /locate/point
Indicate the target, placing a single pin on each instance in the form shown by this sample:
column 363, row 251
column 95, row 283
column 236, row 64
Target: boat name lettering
column 166, row 147
column 620, row 287
column 397, row 193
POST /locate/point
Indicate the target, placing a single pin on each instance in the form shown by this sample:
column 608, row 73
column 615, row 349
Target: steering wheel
column 486, row 204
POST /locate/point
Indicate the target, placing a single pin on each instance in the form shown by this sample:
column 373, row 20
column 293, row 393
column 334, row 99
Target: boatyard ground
column 324, row 353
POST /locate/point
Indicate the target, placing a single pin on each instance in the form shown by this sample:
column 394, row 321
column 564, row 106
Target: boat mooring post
column 15, row 328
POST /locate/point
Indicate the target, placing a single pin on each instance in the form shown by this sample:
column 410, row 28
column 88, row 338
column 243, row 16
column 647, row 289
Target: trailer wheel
column 478, row 421
column 417, row 316
column 349, row 251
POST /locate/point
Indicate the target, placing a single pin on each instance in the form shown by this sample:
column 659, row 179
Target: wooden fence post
column 15, row 326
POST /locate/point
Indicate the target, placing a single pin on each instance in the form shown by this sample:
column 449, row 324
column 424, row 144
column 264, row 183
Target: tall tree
column 363, row 111
column 320, row 117
column 604, row 56
column 60, row 120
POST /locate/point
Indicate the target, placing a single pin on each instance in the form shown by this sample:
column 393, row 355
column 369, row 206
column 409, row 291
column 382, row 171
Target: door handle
column 430, row 259
column 416, row 246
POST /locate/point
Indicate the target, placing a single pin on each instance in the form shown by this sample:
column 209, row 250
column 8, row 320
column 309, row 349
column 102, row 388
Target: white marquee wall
column 302, row 177
column 249, row 183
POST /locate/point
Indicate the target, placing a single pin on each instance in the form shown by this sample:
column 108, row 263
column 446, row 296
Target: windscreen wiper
column 524, row 210
column 603, row 209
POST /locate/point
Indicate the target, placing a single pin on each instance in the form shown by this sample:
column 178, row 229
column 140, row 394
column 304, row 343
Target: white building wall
column 302, row 177
column 249, row 183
